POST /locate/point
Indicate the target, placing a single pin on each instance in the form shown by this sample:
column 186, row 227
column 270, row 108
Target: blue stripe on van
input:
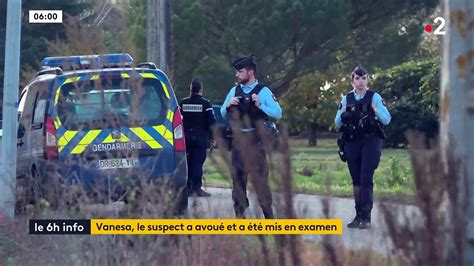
column 160, row 139
column 73, row 142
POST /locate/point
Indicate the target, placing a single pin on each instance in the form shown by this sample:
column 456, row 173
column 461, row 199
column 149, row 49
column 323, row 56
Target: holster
column 342, row 151
column 380, row 131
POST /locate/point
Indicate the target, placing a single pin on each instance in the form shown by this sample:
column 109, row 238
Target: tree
column 34, row 36
column 136, row 20
column 294, row 38
column 410, row 90
column 310, row 106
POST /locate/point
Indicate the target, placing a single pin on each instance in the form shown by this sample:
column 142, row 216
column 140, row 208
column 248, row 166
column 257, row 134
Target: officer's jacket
column 381, row 112
column 268, row 103
column 197, row 113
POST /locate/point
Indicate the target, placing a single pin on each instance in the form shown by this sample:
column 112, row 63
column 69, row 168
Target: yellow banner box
column 216, row 226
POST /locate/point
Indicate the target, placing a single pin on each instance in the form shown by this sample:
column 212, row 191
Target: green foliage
column 319, row 170
column 410, row 117
column 430, row 87
column 136, row 20
column 306, row 171
column 214, row 73
column 403, row 83
column 291, row 38
column 309, row 100
column 34, row 36
column 411, row 92
column 398, row 175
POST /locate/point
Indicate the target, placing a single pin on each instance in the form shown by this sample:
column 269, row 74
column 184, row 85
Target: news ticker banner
column 187, row 227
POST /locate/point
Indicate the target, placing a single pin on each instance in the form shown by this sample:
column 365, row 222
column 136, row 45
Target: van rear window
column 112, row 103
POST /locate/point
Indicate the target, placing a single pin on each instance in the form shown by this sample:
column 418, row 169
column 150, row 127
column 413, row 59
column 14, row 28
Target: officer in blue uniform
column 248, row 105
column 198, row 120
column 361, row 117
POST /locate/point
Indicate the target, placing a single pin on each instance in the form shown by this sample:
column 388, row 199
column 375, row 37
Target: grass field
column 318, row 170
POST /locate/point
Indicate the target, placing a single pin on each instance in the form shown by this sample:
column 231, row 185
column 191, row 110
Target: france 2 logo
column 441, row 23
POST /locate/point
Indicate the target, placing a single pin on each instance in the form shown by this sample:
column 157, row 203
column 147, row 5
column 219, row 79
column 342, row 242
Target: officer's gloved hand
column 347, row 117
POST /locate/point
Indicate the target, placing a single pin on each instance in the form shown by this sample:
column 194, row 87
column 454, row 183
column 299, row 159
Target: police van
column 99, row 121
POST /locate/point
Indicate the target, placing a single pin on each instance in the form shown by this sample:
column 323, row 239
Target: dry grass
column 437, row 235
column 23, row 249
column 421, row 243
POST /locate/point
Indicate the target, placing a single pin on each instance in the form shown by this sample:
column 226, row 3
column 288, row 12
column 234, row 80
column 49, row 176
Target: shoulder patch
column 383, row 102
column 274, row 98
column 340, row 106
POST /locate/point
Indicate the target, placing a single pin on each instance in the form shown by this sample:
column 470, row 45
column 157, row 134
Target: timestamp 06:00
column 45, row 16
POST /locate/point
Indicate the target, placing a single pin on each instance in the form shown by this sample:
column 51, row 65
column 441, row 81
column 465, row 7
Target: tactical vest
column 363, row 117
column 247, row 108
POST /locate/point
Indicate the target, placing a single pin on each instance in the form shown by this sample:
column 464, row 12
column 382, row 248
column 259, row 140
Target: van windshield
column 112, row 103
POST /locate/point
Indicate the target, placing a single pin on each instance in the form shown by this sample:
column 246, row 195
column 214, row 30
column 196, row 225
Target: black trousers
column 249, row 159
column 363, row 157
column 196, row 148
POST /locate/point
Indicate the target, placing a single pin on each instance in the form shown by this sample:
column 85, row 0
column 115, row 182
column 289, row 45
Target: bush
column 411, row 92
column 405, row 117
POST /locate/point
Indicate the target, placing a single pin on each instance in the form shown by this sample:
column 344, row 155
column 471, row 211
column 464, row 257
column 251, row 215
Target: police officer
column 198, row 120
column 249, row 104
column 360, row 117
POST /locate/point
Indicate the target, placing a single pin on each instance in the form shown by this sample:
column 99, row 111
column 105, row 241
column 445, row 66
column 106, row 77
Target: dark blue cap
column 248, row 61
column 359, row 70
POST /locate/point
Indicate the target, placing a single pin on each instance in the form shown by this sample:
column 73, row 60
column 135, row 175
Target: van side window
column 40, row 109
column 21, row 105
column 40, row 105
column 27, row 114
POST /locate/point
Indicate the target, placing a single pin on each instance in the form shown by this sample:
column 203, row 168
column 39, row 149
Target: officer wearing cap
column 361, row 116
column 248, row 105
column 198, row 120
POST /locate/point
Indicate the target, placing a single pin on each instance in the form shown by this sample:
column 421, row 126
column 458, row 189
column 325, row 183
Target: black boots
column 365, row 223
column 365, row 210
column 199, row 193
column 362, row 218
column 365, row 220
column 239, row 212
column 355, row 222
column 361, row 221
column 268, row 212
